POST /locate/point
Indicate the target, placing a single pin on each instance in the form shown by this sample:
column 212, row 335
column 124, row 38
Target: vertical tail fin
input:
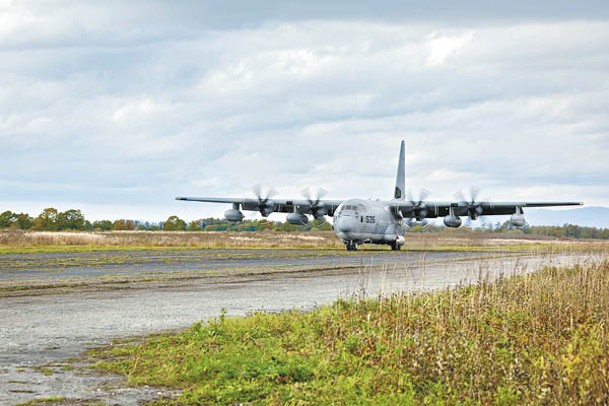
column 400, row 180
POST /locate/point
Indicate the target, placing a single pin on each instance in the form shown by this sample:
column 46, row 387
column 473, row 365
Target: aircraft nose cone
column 344, row 225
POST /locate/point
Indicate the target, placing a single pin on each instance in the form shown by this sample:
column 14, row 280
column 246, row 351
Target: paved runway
column 188, row 286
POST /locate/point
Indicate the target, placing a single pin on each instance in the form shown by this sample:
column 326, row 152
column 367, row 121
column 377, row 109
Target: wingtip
column 180, row 198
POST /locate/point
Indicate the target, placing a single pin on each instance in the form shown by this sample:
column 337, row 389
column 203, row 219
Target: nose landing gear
column 351, row 245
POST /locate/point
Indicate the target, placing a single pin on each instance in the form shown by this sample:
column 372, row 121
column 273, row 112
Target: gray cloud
column 128, row 104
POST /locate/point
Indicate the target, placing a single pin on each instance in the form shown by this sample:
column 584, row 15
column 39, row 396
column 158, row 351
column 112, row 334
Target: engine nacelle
column 319, row 211
column 297, row 218
column 233, row 215
column 266, row 208
column 517, row 219
column 452, row 221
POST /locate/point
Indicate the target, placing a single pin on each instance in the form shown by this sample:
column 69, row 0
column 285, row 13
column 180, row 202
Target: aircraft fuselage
column 358, row 221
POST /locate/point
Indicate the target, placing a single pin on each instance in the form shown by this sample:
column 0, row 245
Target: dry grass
column 12, row 241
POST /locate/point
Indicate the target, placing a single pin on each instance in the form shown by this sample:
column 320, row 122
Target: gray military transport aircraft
column 358, row 221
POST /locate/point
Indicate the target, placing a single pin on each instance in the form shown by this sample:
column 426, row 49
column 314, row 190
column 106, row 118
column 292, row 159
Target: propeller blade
column 321, row 193
column 424, row 194
column 459, row 197
column 265, row 204
column 419, row 209
column 272, row 192
column 473, row 206
column 474, row 192
column 257, row 189
column 317, row 207
column 306, row 193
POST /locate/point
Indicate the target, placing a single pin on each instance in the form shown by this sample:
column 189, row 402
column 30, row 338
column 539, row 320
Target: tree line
column 51, row 219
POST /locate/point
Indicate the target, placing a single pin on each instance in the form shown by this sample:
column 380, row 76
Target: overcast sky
column 117, row 107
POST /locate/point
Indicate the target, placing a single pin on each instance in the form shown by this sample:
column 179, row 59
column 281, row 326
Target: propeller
column 473, row 206
column 317, row 207
column 419, row 209
column 265, row 205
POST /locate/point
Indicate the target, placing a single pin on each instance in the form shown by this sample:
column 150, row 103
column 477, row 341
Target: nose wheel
column 351, row 245
column 395, row 246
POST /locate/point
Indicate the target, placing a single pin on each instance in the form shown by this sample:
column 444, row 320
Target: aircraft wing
column 267, row 206
column 431, row 209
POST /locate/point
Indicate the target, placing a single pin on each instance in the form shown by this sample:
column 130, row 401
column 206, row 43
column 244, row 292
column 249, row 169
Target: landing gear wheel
column 395, row 246
column 351, row 246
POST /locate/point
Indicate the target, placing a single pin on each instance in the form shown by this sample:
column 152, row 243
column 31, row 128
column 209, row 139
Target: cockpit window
column 351, row 207
column 346, row 208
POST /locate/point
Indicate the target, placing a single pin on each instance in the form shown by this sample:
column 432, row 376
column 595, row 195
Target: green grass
column 52, row 249
column 48, row 400
column 533, row 339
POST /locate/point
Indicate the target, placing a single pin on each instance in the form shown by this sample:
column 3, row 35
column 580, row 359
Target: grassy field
column 15, row 241
column 540, row 338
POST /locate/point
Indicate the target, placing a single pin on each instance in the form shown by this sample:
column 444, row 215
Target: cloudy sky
column 116, row 107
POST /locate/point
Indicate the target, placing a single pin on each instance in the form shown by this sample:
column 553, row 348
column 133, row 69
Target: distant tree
column 285, row 226
column 263, row 224
column 71, row 220
column 320, row 225
column 174, row 223
column 102, row 225
column 217, row 227
column 148, row 226
column 24, row 221
column 47, row 220
column 195, row 225
column 121, row 225
column 250, row 225
column 7, row 219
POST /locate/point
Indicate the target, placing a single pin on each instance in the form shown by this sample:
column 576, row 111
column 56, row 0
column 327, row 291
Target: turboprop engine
column 297, row 218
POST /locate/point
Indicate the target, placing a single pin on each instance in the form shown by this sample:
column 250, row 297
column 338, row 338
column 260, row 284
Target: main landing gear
column 351, row 245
